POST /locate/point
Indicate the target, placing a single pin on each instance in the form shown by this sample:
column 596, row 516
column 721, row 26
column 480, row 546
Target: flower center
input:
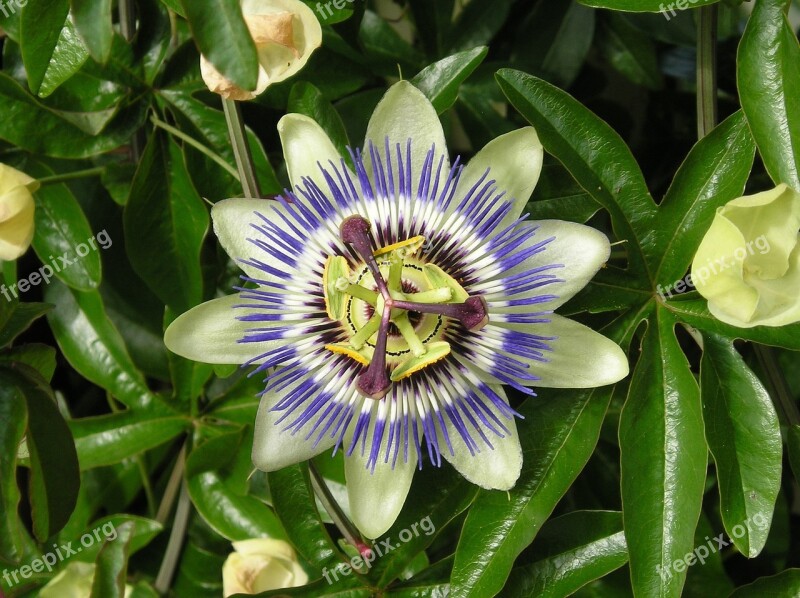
column 395, row 308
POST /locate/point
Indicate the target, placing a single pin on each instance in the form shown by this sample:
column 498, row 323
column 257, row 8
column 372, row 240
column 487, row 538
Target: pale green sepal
column 209, row 333
column 306, row 147
column 514, row 161
column 495, row 468
column 233, row 219
column 405, row 113
column 580, row 357
column 274, row 447
column 377, row 497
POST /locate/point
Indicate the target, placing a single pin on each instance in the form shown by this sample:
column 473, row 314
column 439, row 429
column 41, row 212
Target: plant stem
column 71, row 176
column 241, row 148
column 173, row 485
column 195, row 144
column 707, row 114
column 341, row 521
column 175, row 543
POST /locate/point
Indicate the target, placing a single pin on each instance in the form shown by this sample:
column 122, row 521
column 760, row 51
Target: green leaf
column 785, row 584
column 329, row 13
column 306, row 99
column 793, row 448
column 41, row 24
column 593, row 153
column 55, row 477
column 569, row 552
column 768, row 77
column 111, row 573
column 64, row 241
column 68, row 58
column 437, row 497
column 665, row 8
column 14, row 418
column 434, row 23
column 630, row 51
column 744, row 436
column 478, row 23
column 68, row 134
column 441, row 80
column 107, row 528
column 564, row 35
column 41, row 358
column 93, row 346
column 224, row 39
column 165, row 225
column 714, row 173
column 693, row 311
column 663, row 461
column 109, row 439
column 384, row 46
column 19, row 318
column 293, row 499
column 558, row 436
column 233, row 514
column 93, row 21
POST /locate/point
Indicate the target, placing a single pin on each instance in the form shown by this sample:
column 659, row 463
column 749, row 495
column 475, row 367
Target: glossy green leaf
column 594, row 154
column 224, row 39
column 41, row 358
column 93, row 21
column 55, row 477
column 663, row 461
column 744, row 437
column 714, row 173
column 437, row 497
column 441, row 80
column 14, row 415
column 165, row 225
column 569, row 552
column 558, row 436
column 343, row 587
column 107, row 528
column 108, row 439
column 793, row 447
column 331, row 13
column 665, row 8
column 293, row 499
column 41, row 24
column 231, row 513
column 564, row 35
column 768, row 77
column 386, row 48
column 434, row 23
column 630, row 51
column 68, row 58
column 70, row 134
column 785, row 584
column 64, row 241
column 19, row 318
column 307, row 99
column 694, row 311
column 93, row 346
column 111, row 574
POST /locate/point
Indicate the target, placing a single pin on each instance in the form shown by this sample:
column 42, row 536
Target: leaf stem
column 241, row 148
column 195, row 144
column 707, row 113
column 175, row 543
column 71, row 176
column 333, row 509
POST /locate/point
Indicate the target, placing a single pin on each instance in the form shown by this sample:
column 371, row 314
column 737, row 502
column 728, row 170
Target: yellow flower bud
column 259, row 565
column 285, row 32
column 16, row 212
column 748, row 263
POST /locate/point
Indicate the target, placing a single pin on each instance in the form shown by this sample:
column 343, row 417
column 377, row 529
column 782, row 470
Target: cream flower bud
column 259, row 565
column 74, row 581
column 748, row 263
column 16, row 212
column 285, row 33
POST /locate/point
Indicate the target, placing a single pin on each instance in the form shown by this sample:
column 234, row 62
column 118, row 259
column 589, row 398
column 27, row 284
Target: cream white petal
column 306, row 147
column 233, row 220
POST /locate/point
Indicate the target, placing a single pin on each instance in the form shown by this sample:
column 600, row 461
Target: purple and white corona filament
column 396, row 300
